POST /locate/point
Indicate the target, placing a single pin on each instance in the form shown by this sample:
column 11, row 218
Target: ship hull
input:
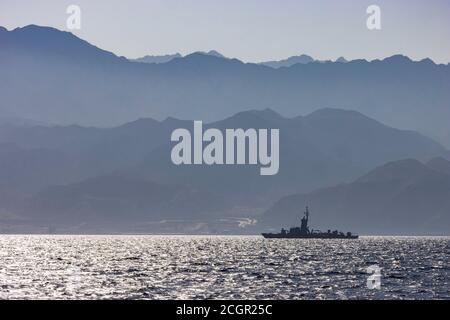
column 308, row 236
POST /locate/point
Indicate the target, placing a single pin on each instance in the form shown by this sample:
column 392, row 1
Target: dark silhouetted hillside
column 401, row 197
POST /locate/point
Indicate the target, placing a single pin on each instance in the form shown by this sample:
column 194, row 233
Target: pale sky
column 250, row 30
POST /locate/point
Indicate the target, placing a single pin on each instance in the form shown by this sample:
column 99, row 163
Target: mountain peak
column 215, row 53
column 200, row 55
column 169, row 57
column 406, row 169
column 141, row 122
column 263, row 113
column 341, row 60
column 335, row 112
column 427, row 61
column 397, row 58
column 267, row 114
column 301, row 59
column 198, row 59
column 252, row 118
column 169, row 120
column 157, row 59
column 212, row 53
column 41, row 29
column 48, row 41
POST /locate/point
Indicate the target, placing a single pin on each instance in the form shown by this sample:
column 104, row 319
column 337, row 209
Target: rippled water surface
column 220, row 267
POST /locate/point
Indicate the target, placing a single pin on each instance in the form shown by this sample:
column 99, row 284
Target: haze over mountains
column 170, row 57
column 157, row 59
column 85, row 140
column 55, row 77
column 122, row 177
column 303, row 59
column 325, row 147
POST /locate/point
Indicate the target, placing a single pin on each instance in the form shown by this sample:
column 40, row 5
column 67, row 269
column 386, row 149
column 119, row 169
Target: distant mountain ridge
column 169, row 57
column 40, row 41
column 331, row 138
column 157, row 59
column 302, row 59
column 76, row 175
column 68, row 81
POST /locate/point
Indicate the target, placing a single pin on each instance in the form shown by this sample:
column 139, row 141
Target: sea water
column 221, row 267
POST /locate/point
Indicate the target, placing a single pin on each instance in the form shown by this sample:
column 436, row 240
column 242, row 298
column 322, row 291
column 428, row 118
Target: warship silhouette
column 304, row 233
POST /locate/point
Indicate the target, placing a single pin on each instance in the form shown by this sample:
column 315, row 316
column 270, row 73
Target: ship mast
column 304, row 227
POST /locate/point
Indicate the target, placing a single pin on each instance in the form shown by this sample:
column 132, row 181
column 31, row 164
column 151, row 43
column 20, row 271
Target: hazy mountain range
column 73, row 156
column 170, row 57
column 122, row 177
column 55, row 77
column 303, row 59
column 157, row 59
